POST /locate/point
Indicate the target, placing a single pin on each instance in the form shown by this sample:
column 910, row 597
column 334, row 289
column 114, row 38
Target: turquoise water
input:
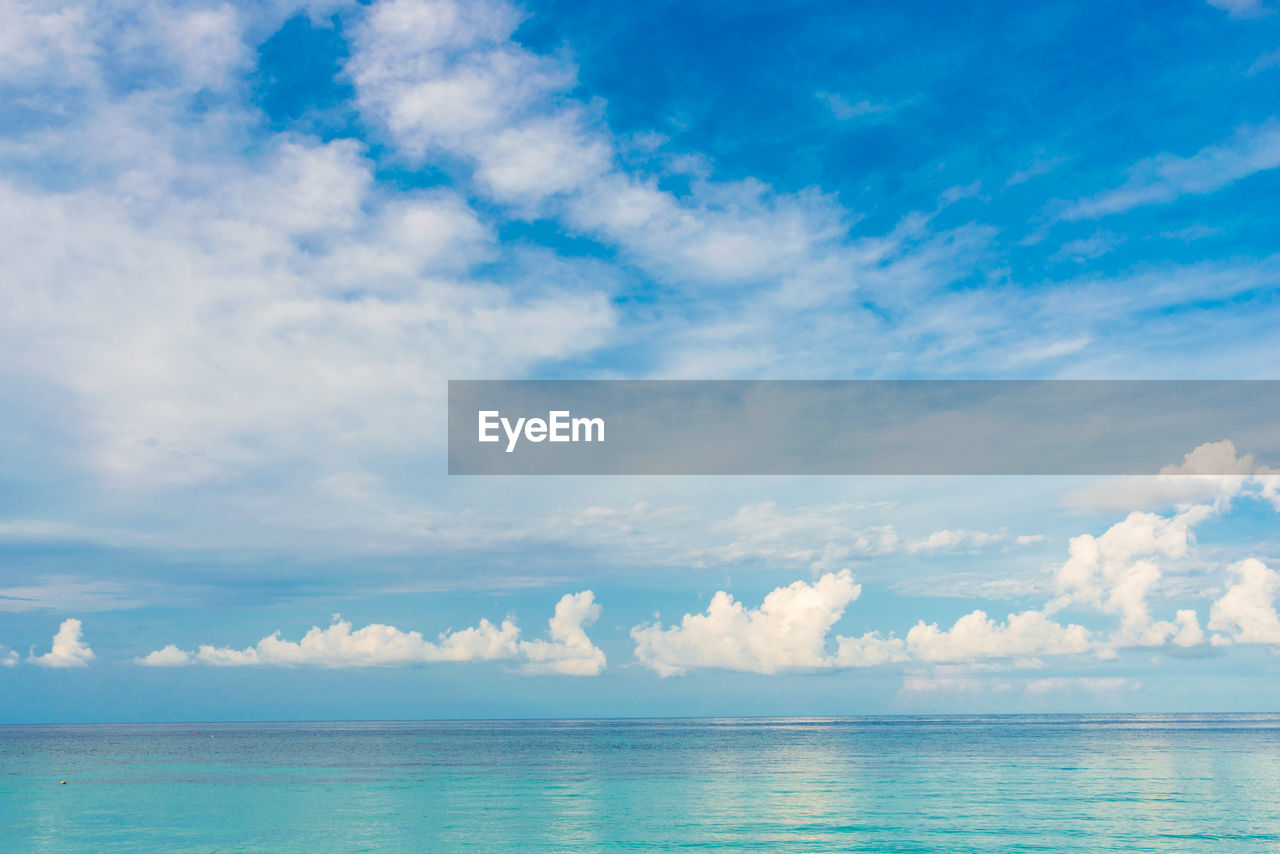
column 952, row 784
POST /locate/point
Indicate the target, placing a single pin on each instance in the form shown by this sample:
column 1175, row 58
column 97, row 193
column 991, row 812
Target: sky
column 246, row 247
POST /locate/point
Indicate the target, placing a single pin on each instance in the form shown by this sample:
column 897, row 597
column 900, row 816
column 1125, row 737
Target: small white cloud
column 569, row 651
column 1188, row 631
column 1091, row 684
column 844, row 109
column 954, row 539
column 1040, row 351
column 68, row 650
column 1087, row 248
column 952, row 680
column 9, row 657
column 1271, row 59
column 170, row 656
column 869, row 650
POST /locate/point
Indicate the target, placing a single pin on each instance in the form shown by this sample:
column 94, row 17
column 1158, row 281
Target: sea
column 1080, row 783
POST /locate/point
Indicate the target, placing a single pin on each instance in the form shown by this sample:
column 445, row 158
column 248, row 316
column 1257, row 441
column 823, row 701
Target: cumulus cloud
column 1115, row 572
column 975, row 635
column 1118, row 571
column 68, row 650
column 568, row 649
column 169, row 656
column 789, row 631
column 9, row 657
column 1246, row 612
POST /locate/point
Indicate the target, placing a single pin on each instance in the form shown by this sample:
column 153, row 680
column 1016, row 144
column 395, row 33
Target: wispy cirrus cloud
column 70, row 593
column 1244, row 8
column 1162, row 179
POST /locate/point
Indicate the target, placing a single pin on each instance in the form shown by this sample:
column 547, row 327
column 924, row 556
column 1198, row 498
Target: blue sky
column 246, row 247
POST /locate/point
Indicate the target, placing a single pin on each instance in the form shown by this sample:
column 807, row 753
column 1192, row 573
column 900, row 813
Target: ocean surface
column 906, row 784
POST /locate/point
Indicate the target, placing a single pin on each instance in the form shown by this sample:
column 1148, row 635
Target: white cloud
column 1115, row 573
column 789, row 631
column 1270, row 59
column 844, row 109
column 169, row 656
column 1087, row 248
column 975, row 635
column 1091, row 684
column 1246, row 613
column 223, row 307
column 952, row 680
column 1161, row 179
column 1213, row 472
column 36, row 44
column 977, row 585
column 817, row 537
column 1243, row 8
column 9, row 657
column 952, row 539
column 69, row 594
column 1188, row 632
column 173, row 382
column 568, row 650
column 68, row 650
column 868, row 650
column 447, row 79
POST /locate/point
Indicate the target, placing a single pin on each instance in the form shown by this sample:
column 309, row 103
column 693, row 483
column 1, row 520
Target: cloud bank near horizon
column 1113, row 575
column 566, row 651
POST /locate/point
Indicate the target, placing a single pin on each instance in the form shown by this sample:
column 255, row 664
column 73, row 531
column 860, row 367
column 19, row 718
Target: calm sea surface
column 954, row 784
